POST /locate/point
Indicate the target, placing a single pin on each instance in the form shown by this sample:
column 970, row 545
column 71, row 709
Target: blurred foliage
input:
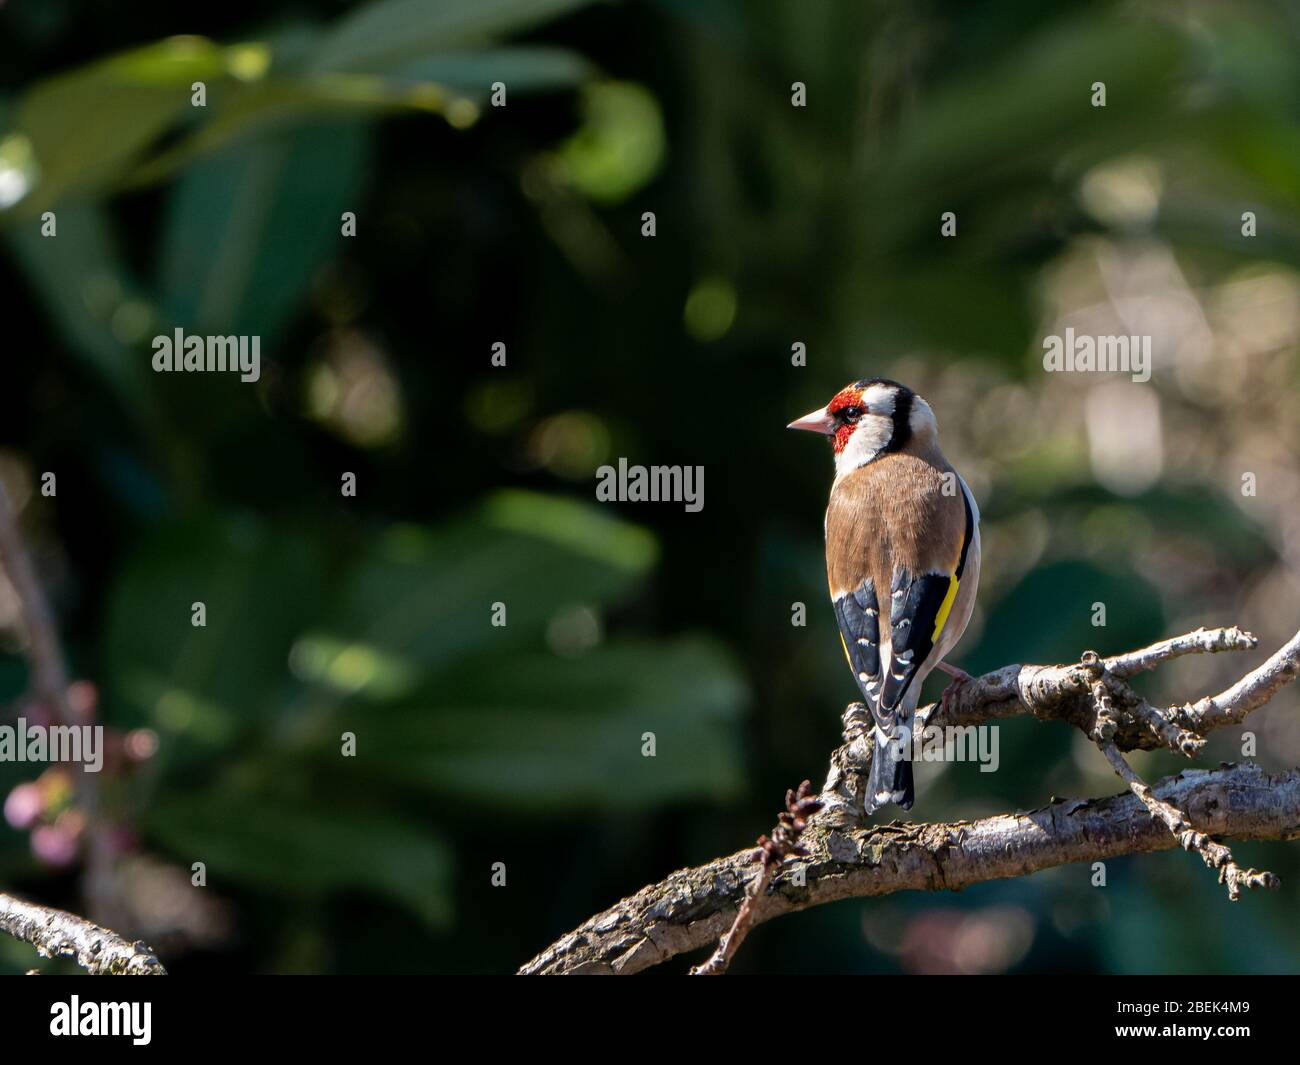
column 520, row 225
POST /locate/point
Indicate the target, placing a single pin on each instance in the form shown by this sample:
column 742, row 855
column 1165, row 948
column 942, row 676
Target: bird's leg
column 960, row 678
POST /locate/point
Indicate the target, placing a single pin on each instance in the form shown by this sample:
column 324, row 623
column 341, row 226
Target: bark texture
column 58, row 934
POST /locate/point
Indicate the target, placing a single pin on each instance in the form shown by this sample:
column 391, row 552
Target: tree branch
column 693, row 907
column 58, row 934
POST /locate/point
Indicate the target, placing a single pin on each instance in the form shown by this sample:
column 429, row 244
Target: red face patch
column 850, row 396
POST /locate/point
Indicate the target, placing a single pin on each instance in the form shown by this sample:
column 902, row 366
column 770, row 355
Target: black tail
column 891, row 776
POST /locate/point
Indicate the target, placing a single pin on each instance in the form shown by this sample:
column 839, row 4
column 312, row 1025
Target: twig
column 1215, row 855
column 1256, row 688
column 49, row 684
column 49, row 674
column 731, row 939
column 58, row 934
column 1202, row 641
column 1063, row 693
column 799, row 806
column 1105, row 688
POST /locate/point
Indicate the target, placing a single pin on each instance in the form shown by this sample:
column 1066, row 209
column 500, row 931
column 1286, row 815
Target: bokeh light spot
column 710, row 309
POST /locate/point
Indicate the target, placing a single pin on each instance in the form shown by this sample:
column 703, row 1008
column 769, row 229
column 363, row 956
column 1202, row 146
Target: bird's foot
column 958, row 675
column 960, row 678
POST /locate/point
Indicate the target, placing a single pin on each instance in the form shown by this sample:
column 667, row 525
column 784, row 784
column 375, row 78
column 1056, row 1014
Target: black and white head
column 869, row 418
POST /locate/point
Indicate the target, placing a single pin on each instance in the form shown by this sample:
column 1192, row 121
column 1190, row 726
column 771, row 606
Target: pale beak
column 819, row 421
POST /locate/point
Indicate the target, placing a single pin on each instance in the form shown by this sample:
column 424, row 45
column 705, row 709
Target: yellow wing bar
column 945, row 608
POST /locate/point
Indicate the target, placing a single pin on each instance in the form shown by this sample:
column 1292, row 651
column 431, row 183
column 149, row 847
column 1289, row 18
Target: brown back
column 892, row 514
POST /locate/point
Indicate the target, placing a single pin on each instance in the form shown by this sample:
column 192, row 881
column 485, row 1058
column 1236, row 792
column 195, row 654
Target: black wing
column 858, row 614
column 918, row 610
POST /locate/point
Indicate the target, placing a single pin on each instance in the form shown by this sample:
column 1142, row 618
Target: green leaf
column 308, row 850
column 247, row 228
column 276, row 107
column 522, row 69
column 423, row 599
column 542, row 733
column 86, row 127
column 390, row 32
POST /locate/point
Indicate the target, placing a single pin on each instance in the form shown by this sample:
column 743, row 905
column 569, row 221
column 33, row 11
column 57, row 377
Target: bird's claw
column 960, row 678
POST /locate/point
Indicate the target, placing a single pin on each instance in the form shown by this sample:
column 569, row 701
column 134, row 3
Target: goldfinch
column 902, row 560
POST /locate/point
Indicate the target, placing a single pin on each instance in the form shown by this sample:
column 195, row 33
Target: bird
column 902, row 561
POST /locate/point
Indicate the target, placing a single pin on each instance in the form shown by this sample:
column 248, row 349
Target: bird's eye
column 850, row 414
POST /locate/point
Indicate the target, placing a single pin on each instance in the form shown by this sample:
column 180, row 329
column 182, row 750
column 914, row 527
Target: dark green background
column 521, row 224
